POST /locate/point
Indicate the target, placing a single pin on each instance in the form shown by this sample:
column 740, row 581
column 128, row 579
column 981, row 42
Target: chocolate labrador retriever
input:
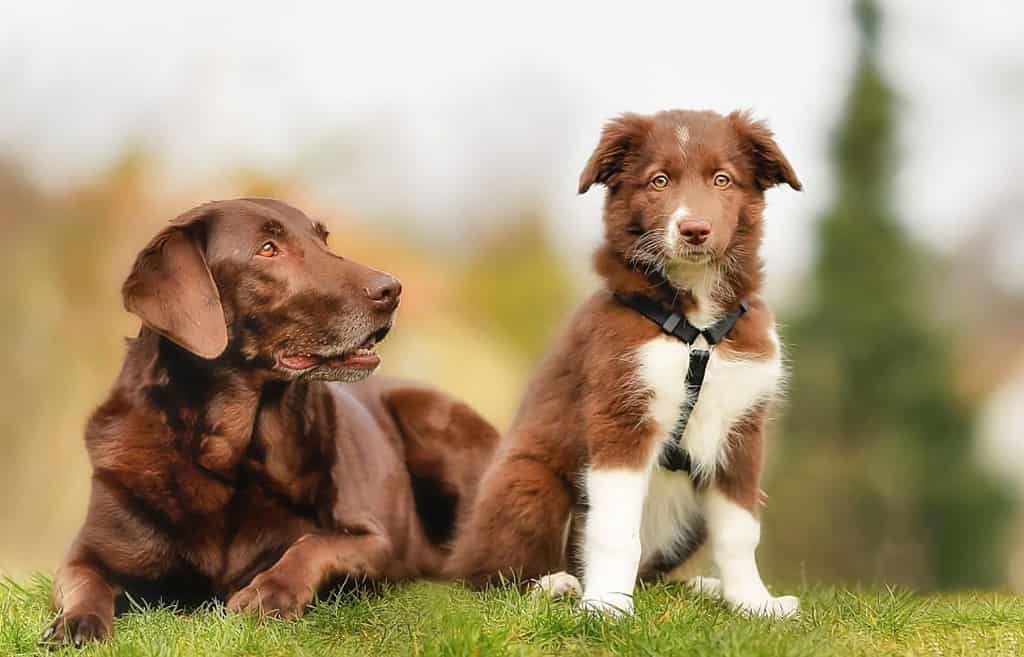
column 236, row 456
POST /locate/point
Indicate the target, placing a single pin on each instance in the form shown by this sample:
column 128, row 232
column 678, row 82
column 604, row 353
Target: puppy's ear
column 619, row 137
column 771, row 167
column 171, row 289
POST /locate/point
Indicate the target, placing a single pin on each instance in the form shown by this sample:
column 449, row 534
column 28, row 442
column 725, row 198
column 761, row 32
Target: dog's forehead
column 236, row 226
column 261, row 216
column 690, row 136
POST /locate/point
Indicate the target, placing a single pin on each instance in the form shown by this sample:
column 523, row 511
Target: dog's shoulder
column 755, row 335
column 610, row 330
column 140, row 449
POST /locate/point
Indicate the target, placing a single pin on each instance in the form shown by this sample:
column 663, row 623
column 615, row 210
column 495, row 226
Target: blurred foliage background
column 895, row 459
column 875, row 427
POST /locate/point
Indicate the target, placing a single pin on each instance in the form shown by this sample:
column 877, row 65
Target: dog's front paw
column 76, row 629
column 609, row 604
column 557, row 585
column 272, row 595
column 785, row 606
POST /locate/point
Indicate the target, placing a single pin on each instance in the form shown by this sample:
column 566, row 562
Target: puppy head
column 682, row 185
column 253, row 283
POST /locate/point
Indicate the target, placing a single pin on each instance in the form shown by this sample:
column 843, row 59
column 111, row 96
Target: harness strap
column 673, row 457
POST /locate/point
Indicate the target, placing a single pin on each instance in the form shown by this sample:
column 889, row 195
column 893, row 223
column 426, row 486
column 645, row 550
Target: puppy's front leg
column 734, row 531
column 622, row 442
column 288, row 587
column 611, row 550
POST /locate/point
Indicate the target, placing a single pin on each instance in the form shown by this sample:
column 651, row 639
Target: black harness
column 673, row 457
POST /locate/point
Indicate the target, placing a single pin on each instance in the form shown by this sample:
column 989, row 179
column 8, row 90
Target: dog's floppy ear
column 172, row 291
column 771, row 167
column 618, row 138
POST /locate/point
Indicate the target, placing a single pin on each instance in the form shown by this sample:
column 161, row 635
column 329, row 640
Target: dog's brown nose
column 695, row 231
column 384, row 291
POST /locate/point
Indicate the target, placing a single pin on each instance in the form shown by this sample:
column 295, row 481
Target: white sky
column 444, row 112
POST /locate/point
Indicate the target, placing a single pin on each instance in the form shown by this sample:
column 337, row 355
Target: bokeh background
column 442, row 141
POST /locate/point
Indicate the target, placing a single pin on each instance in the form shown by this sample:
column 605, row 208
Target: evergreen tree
column 877, row 453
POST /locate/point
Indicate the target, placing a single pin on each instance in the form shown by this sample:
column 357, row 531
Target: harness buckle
column 671, row 323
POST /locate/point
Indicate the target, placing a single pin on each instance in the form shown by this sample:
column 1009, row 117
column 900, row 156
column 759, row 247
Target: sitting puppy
column 642, row 435
column 225, row 463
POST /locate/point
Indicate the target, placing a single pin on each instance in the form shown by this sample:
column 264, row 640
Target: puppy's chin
column 691, row 258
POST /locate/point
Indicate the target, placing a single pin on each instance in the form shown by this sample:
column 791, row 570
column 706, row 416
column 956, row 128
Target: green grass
column 448, row 620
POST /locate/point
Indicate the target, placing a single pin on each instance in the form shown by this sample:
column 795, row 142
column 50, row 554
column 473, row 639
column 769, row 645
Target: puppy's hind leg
column 517, row 527
column 558, row 585
column 690, row 573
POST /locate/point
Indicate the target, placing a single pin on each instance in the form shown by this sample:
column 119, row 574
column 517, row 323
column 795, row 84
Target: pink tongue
column 299, row 361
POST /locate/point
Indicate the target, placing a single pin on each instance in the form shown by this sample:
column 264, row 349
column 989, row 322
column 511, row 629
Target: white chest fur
column 732, row 388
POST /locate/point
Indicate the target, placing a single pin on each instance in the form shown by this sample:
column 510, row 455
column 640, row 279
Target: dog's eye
column 268, row 250
column 659, row 181
column 722, row 180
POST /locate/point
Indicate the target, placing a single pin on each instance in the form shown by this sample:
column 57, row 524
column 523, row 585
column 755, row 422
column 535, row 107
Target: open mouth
column 363, row 357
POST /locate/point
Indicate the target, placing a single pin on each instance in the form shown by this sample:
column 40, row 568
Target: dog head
column 684, row 187
column 252, row 281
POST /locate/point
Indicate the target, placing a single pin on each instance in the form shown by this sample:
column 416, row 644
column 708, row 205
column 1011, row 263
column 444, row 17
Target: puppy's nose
column 384, row 291
column 695, row 231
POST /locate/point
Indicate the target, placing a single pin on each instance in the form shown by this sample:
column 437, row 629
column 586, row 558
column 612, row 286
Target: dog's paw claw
column 557, row 585
column 76, row 630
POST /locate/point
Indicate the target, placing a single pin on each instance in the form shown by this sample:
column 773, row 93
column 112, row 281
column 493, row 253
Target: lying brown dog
column 225, row 465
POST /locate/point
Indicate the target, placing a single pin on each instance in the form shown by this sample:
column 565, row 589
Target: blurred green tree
column 517, row 285
column 876, row 470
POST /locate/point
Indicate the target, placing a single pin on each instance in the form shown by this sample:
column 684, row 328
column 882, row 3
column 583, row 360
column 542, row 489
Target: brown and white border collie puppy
column 577, row 484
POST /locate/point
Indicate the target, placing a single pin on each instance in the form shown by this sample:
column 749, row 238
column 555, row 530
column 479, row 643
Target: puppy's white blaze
column 672, row 226
column 611, row 544
column 683, row 136
column 733, row 534
column 680, row 213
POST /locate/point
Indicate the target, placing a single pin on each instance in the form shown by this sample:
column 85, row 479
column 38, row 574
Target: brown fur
column 582, row 409
column 221, row 472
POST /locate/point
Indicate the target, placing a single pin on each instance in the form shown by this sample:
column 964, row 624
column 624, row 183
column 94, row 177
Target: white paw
column 785, row 606
column 705, row 585
column 610, row 604
column 557, row 585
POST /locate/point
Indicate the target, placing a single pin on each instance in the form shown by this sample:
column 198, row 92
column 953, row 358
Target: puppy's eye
column 721, row 180
column 660, row 181
column 268, row 250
